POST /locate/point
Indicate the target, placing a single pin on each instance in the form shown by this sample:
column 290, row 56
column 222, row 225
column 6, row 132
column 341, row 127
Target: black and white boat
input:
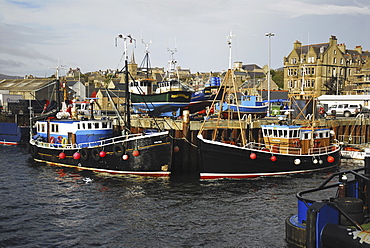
column 160, row 99
column 286, row 148
column 91, row 144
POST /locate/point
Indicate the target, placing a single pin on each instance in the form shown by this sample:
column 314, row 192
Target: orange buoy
column 136, row 153
column 62, row 155
column 76, row 155
column 102, row 154
column 125, row 157
column 273, row 158
column 330, row 159
column 253, row 155
column 176, row 149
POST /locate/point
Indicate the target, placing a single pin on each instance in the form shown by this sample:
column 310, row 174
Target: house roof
column 24, row 84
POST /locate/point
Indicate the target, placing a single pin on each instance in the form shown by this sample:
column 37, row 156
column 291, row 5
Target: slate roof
column 24, row 84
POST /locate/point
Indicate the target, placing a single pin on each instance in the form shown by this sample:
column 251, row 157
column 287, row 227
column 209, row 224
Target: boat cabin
column 171, row 85
column 142, row 87
column 295, row 139
column 73, row 131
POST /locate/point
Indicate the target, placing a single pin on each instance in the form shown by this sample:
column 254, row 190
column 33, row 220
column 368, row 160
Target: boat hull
column 219, row 160
column 12, row 134
column 171, row 96
column 148, row 155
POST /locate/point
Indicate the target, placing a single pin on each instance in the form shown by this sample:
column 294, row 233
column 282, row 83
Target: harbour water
column 46, row 206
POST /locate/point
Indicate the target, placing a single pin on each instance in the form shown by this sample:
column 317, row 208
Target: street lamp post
column 268, row 73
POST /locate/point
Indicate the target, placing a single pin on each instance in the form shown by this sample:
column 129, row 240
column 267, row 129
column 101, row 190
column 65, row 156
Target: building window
column 341, row 61
column 335, row 51
column 334, row 60
column 311, row 60
column 313, row 83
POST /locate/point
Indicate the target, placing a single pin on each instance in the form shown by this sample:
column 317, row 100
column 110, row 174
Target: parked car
column 346, row 110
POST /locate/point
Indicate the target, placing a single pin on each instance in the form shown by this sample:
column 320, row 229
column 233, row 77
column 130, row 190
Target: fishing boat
column 93, row 144
column 248, row 105
column 335, row 214
column 354, row 140
column 203, row 98
column 160, row 98
column 286, row 148
column 13, row 134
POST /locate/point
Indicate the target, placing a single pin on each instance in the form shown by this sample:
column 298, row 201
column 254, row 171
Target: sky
column 38, row 35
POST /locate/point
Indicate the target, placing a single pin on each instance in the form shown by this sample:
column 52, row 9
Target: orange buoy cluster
column 330, row 159
column 76, row 155
column 136, row 153
column 62, row 155
column 102, row 154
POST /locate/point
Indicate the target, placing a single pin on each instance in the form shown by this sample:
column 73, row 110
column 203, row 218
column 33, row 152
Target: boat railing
column 274, row 148
column 323, row 150
column 92, row 144
column 290, row 150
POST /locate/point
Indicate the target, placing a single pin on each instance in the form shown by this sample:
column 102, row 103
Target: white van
column 346, row 110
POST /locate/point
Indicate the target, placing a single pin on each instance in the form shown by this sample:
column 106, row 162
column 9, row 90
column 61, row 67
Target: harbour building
column 326, row 69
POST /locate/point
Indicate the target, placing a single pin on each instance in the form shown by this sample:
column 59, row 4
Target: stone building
column 326, row 68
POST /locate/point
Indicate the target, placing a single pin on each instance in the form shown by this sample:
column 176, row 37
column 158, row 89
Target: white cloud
column 294, row 9
column 81, row 32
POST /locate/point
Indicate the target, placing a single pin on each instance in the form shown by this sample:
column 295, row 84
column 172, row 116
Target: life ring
column 118, row 150
column 84, row 154
column 275, row 149
column 95, row 154
column 296, row 143
column 265, row 149
column 52, row 140
column 59, row 139
column 64, row 142
column 33, row 150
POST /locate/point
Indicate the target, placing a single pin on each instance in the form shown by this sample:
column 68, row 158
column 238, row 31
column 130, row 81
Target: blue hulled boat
column 335, row 214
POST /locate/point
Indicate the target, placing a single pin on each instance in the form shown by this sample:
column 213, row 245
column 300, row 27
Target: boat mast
column 146, row 61
column 172, row 64
column 229, row 39
column 126, row 39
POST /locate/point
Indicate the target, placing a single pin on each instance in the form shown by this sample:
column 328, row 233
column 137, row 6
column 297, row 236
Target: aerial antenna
column 229, row 39
column 146, row 61
column 172, row 63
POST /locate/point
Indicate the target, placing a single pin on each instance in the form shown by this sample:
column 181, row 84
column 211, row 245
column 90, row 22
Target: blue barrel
column 218, row 81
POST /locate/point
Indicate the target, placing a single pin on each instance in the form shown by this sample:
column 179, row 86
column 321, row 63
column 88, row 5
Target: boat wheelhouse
column 295, row 139
column 73, row 131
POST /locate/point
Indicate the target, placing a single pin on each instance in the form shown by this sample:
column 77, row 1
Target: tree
column 278, row 77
